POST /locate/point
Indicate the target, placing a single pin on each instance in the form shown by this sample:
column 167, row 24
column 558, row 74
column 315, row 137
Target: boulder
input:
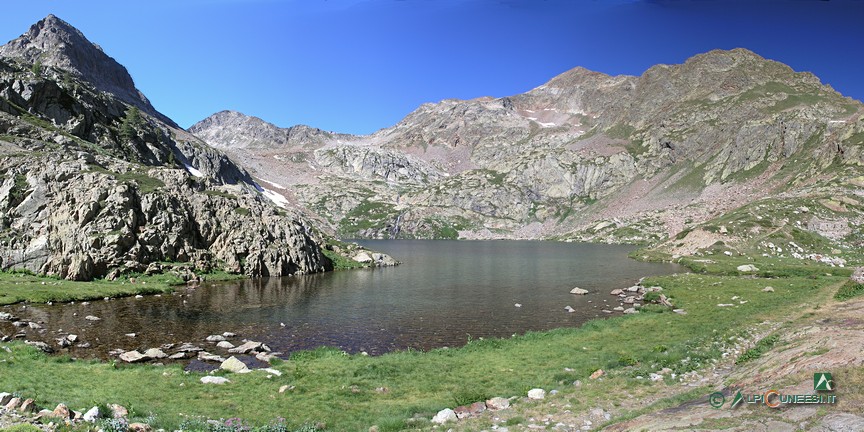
column 497, row 403
column 155, row 353
column 234, row 365
column 28, row 406
column 214, row 380
column 578, row 291
column 187, row 347
column 5, row 316
column 139, row 427
column 206, row 356
column 616, row 292
column 62, row 411
column 444, row 416
column 466, row 411
column 536, row 394
column 177, row 356
column 630, row 311
column 133, row 357
column 247, row 348
column 747, row 268
column 362, row 257
column 92, row 415
column 215, row 338
column 118, row 411
column 225, row 345
column 13, row 403
column 858, row 276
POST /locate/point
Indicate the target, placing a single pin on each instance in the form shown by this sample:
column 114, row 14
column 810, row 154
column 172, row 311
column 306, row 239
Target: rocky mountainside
column 95, row 183
column 585, row 156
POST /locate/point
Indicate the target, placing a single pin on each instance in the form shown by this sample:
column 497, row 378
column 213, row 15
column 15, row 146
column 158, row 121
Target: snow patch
column 274, row 184
column 546, row 124
column 194, row 171
column 277, row 198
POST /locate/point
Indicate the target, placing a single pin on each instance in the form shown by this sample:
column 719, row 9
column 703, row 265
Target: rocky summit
column 94, row 182
column 585, row 156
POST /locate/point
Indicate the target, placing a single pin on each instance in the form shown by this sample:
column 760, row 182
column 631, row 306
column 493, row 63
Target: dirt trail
column 828, row 339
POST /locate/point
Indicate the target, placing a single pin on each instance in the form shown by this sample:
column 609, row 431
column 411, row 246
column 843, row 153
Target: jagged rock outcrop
column 95, row 183
column 638, row 154
column 52, row 42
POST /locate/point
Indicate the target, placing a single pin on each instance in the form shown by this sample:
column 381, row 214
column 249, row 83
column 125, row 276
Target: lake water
column 444, row 293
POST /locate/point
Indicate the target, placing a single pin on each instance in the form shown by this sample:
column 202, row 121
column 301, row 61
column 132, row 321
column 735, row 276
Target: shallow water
column 444, row 293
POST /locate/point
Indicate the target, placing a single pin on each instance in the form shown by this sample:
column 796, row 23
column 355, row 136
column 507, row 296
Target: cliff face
column 638, row 157
column 94, row 182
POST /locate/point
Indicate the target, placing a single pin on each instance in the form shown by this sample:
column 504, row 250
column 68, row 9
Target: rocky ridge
column 585, row 156
column 95, row 183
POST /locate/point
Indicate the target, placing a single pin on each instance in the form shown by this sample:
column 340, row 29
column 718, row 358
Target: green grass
column 341, row 262
column 145, row 183
column 849, row 290
column 16, row 287
column 24, row 427
column 339, row 389
column 764, row 345
column 219, row 193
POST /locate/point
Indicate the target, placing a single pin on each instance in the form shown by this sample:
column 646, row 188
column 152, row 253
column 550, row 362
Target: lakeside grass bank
column 17, row 287
column 402, row 390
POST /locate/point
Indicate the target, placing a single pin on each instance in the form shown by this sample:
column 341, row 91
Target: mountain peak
column 55, row 43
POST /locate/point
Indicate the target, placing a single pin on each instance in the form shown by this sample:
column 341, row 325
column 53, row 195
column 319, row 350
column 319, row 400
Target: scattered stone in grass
column 42, row 346
column 747, row 268
column 139, row 427
column 630, row 311
column 92, row 415
column 536, row 393
column 497, row 403
column 679, row 311
column 214, row 380
column 472, row 410
column 118, row 411
column 768, row 289
column 28, row 406
column 62, row 411
column 597, row 374
column 444, row 416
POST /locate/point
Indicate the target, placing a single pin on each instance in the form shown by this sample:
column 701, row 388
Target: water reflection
column 444, row 293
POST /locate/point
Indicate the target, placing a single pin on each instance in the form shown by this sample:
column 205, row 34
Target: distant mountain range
column 585, row 156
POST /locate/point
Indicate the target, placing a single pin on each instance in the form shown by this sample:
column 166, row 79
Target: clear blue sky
column 361, row 65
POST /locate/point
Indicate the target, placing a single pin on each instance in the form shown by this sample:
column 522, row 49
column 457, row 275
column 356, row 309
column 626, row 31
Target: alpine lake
column 444, row 294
